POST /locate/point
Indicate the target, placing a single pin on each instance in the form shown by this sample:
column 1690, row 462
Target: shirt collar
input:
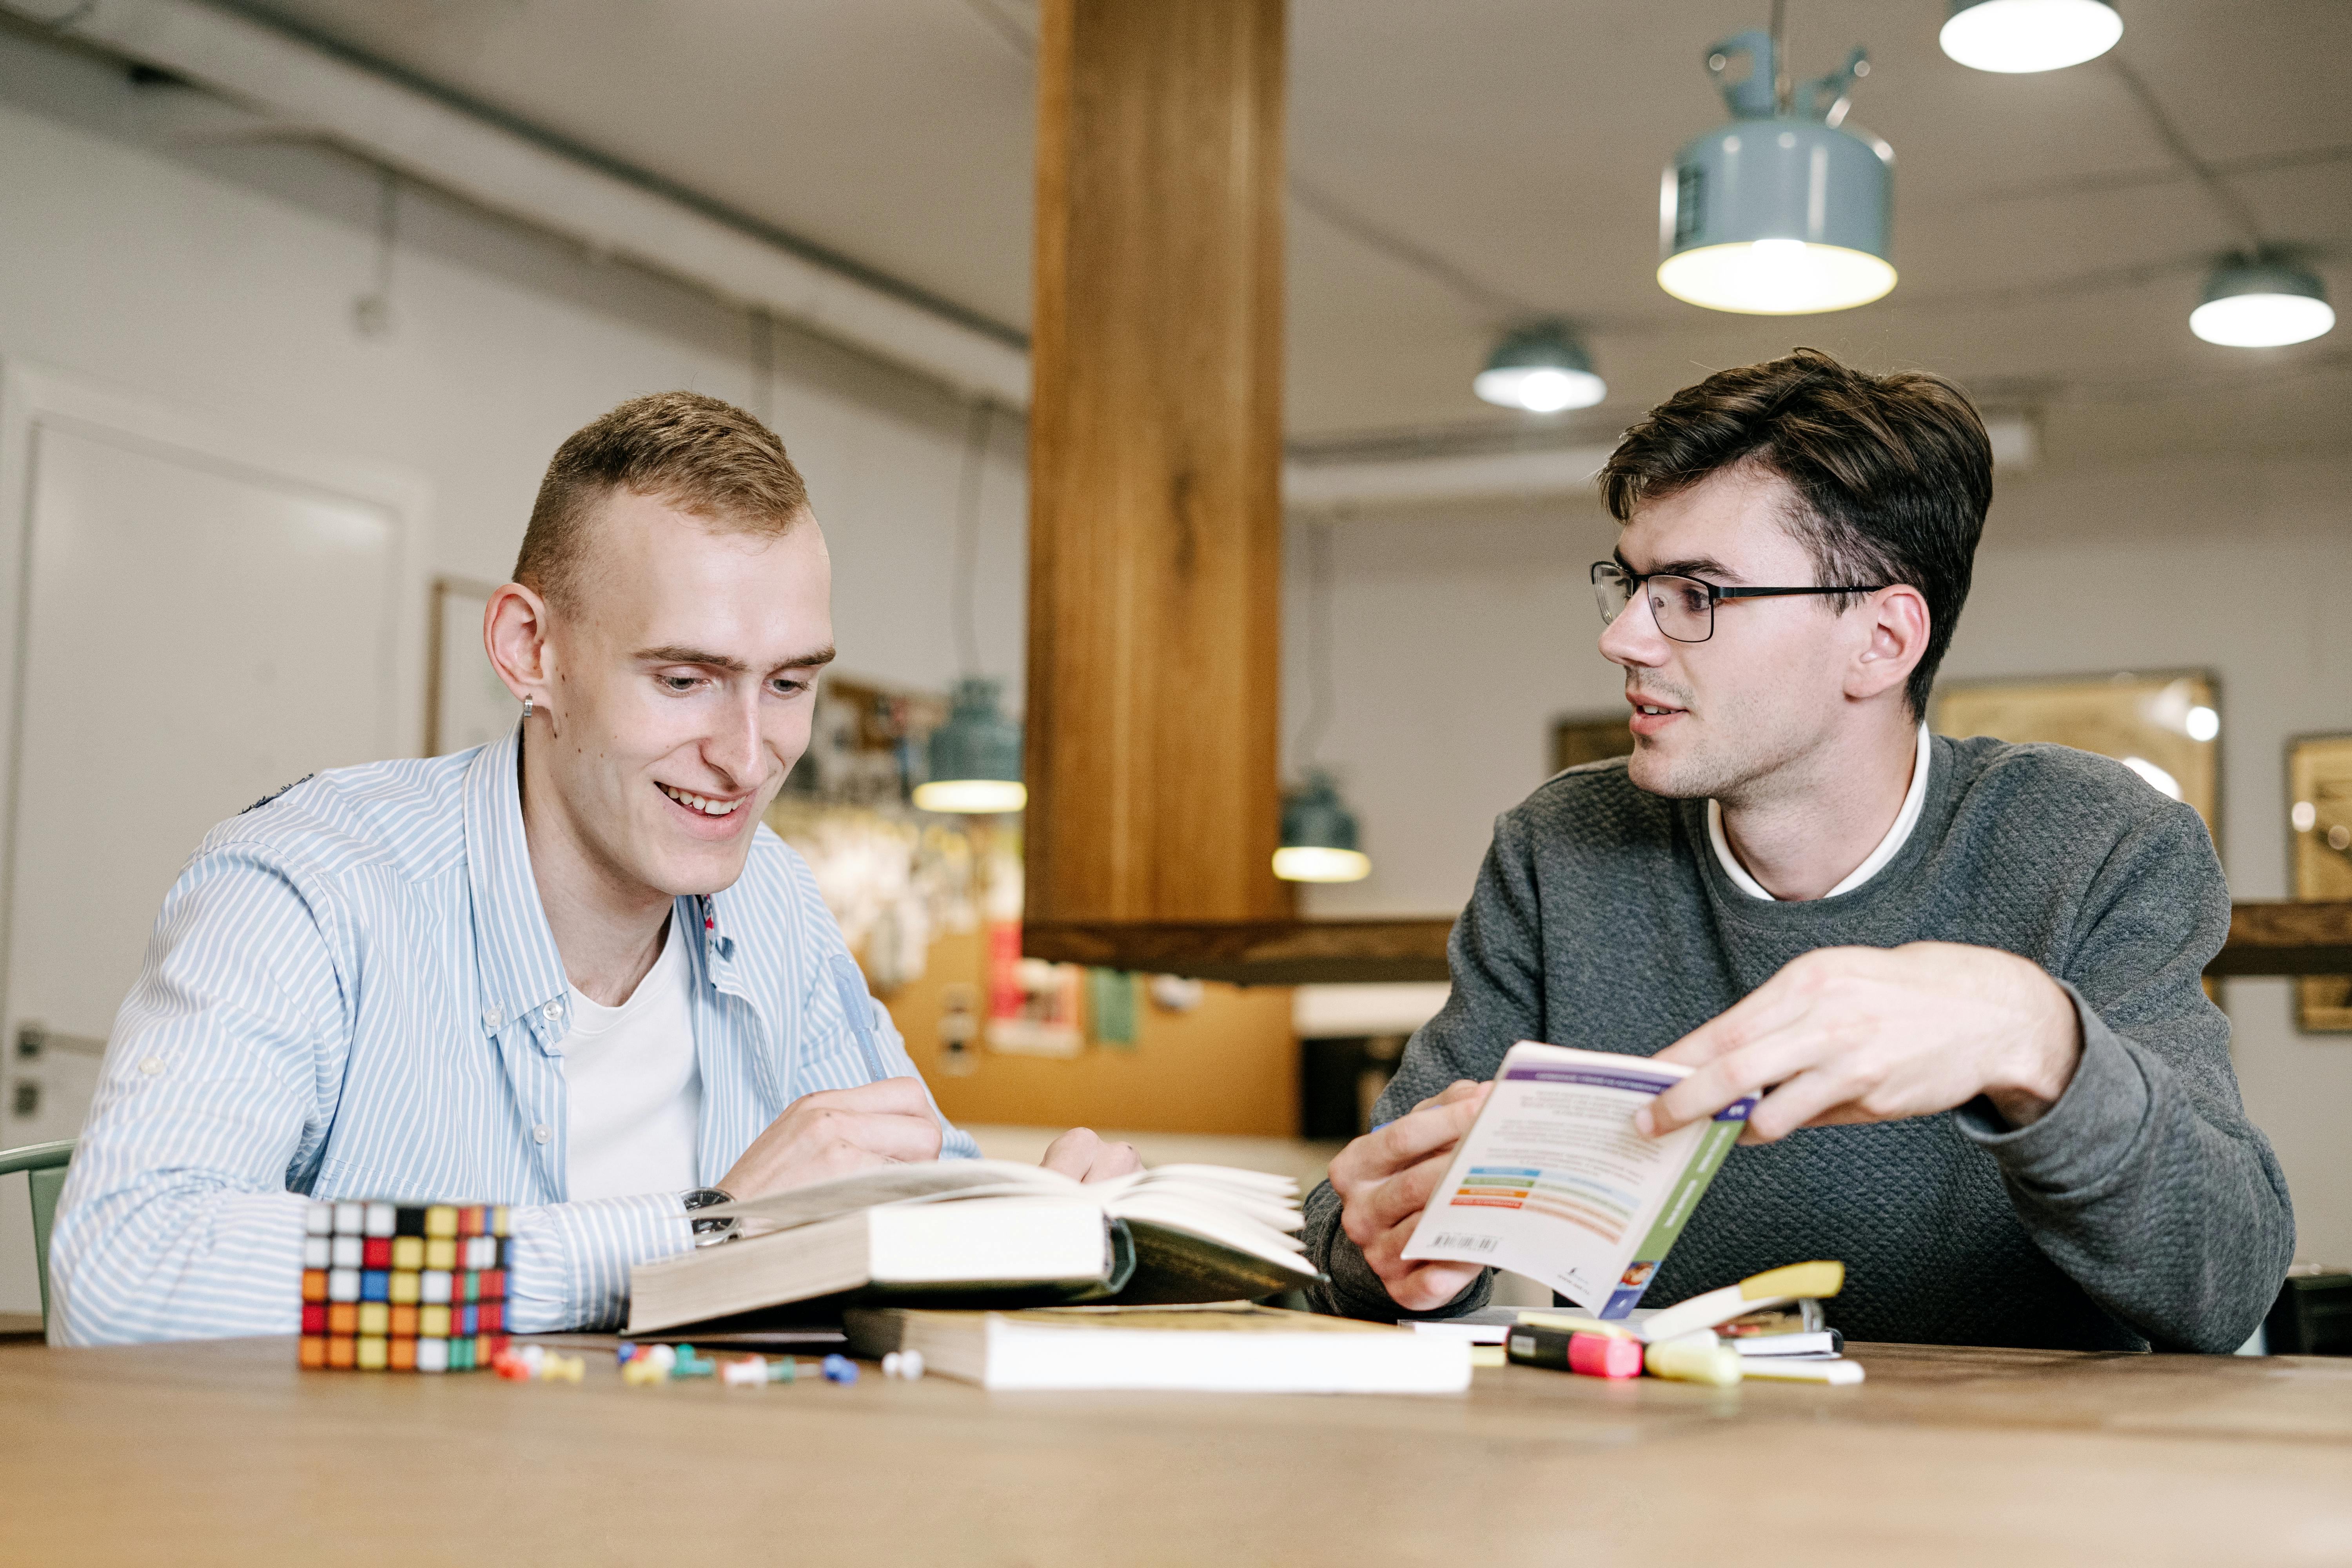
column 514, row 950
column 1915, row 800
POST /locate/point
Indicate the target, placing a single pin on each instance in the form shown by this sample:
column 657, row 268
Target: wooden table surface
column 221, row 1452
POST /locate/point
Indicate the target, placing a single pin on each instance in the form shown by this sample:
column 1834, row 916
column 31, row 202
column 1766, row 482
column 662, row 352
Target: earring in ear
column 526, row 707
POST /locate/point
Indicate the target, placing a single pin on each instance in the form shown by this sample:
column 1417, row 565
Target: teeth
column 698, row 802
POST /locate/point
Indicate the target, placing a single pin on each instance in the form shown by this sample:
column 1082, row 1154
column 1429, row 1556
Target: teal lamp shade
column 1778, row 215
column 1319, row 835
column 1542, row 368
column 975, row 756
column 2262, row 304
column 2016, row 36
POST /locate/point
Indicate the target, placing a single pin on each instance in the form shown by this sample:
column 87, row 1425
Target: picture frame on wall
column 1580, row 738
column 2165, row 725
column 2319, row 862
column 466, row 703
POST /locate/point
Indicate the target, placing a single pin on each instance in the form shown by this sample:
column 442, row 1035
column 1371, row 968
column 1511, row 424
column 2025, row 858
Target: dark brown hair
column 1892, row 473
column 701, row 455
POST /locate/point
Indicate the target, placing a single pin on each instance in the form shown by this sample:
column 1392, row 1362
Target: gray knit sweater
column 2144, row 1208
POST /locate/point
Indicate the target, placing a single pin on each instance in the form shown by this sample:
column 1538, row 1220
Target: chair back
column 44, row 1165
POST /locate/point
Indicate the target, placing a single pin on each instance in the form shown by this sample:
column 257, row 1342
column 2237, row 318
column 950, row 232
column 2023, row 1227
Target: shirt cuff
column 569, row 1262
column 2085, row 1139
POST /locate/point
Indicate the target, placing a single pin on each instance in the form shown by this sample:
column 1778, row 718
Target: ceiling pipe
column 507, row 171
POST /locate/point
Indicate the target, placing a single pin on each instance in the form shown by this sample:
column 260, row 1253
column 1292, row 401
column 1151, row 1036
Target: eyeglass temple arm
column 1776, row 593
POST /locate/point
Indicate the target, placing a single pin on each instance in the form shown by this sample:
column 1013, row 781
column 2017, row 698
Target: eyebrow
column 708, row 660
column 1701, row 567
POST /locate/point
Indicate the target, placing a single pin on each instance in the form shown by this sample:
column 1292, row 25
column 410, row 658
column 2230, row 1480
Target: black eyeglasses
column 1684, row 608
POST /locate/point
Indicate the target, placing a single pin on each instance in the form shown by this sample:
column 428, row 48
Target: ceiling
column 1457, row 167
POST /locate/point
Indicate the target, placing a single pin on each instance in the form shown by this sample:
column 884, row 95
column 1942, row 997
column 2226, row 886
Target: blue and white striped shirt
column 352, row 991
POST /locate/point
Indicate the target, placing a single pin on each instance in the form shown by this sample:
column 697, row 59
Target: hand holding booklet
column 987, row 1233
column 1552, row 1180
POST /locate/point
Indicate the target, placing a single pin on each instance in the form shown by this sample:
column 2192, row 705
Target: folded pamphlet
column 1552, row 1180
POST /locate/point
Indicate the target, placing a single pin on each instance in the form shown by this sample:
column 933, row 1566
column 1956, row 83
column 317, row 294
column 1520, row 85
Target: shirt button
column 151, row 1066
column 551, row 1012
column 539, row 1134
column 492, row 1017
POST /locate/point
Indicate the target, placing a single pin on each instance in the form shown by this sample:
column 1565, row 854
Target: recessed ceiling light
column 2018, row 36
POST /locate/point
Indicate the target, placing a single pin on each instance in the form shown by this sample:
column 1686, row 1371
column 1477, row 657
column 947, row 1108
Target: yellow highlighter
column 1694, row 1357
column 1773, row 1287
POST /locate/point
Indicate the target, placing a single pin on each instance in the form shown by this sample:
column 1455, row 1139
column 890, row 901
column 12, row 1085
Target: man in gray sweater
column 1965, row 974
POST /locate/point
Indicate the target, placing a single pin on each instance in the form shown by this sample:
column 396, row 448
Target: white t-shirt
column 1913, row 799
column 634, row 1086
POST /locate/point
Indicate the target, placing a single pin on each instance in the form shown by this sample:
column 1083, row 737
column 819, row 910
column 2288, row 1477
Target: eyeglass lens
column 1682, row 606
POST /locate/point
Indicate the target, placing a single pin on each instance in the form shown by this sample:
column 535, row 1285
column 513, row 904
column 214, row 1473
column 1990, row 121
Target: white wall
column 219, row 280
column 1459, row 637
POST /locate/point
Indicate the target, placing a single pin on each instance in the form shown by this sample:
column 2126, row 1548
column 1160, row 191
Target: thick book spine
column 1721, row 1134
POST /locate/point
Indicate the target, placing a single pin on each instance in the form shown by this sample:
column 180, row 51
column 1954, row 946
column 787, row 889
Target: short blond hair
column 701, row 455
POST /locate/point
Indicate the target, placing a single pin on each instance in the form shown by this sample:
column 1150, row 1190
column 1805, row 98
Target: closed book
column 1230, row 1348
column 970, row 1233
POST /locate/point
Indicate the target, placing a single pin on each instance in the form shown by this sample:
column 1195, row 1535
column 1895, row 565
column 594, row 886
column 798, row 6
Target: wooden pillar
column 1155, row 456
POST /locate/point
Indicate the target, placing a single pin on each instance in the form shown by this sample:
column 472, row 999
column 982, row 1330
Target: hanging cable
column 763, row 365
column 977, row 432
column 371, row 311
column 1322, row 697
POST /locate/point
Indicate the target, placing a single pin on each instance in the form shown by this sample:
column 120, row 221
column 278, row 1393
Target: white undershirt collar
column 1907, row 819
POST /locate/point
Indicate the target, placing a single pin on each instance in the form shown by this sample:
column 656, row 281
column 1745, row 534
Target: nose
column 1633, row 639
column 734, row 750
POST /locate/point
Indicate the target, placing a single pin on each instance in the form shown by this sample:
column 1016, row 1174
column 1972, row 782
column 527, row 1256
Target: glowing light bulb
column 2012, row 36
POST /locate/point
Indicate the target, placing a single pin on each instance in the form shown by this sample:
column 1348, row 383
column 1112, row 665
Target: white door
column 196, row 632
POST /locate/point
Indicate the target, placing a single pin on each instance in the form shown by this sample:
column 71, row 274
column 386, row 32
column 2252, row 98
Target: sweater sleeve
column 1496, row 960
column 2145, row 1183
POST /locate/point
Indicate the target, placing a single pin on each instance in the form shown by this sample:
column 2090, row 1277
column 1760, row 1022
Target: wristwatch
column 706, row 1231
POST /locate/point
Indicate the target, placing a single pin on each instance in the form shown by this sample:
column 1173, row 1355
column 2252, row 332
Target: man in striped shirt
column 569, row 972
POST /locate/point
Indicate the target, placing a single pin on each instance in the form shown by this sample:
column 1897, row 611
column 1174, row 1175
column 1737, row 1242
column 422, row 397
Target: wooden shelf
column 1253, row 953
column 2265, row 938
column 2285, row 937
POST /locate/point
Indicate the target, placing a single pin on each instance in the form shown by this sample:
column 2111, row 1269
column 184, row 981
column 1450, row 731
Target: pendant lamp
column 2262, row 303
column 2018, row 36
column 1542, row 368
column 1319, row 834
column 975, row 756
column 1781, row 213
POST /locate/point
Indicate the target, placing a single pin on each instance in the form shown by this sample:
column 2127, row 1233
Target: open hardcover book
column 987, row 1233
column 1553, row 1182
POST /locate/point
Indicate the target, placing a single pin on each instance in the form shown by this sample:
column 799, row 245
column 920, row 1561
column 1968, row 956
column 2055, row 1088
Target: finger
column 1460, row 1088
column 904, row 1096
column 1424, row 1287
column 1804, row 1101
column 1072, row 1154
column 891, row 1135
column 1404, row 1195
column 1766, row 1060
column 1775, row 1005
column 1114, row 1160
column 1418, row 1135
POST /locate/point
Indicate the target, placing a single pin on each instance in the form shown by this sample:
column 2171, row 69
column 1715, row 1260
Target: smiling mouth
column 703, row 803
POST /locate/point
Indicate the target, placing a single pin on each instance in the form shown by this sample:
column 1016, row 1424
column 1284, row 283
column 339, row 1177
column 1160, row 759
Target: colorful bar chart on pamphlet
column 1553, row 1181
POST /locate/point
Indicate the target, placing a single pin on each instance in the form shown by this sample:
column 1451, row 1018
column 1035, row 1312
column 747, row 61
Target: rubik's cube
column 403, row 1286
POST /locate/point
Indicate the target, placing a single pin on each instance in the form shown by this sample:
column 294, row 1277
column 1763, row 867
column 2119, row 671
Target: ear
column 515, row 635
column 1897, row 621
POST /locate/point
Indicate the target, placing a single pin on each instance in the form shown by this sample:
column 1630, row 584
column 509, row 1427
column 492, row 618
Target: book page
column 1553, row 1181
